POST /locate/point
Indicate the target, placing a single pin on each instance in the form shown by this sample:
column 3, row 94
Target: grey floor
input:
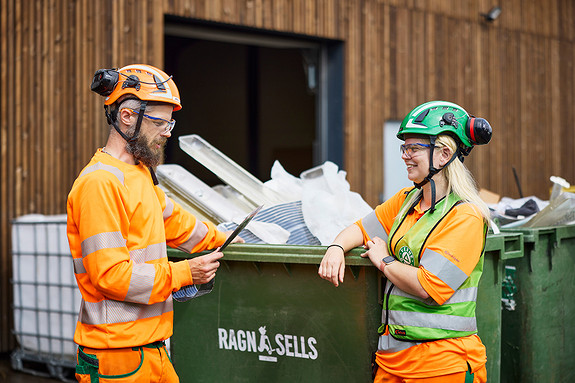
column 8, row 375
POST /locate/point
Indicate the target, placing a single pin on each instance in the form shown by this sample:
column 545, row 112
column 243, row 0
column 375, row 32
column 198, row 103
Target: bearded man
column 119, row 226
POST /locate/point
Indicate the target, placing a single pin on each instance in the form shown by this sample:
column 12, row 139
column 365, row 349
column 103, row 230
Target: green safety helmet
column 440, row 117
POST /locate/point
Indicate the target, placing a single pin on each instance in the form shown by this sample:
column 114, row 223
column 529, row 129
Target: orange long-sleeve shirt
column 119, row 225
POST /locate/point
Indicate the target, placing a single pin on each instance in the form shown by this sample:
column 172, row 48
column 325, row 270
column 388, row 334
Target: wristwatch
column 389, row 259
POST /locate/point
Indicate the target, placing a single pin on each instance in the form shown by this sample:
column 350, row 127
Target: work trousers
column 479, row 376
column 149, row 363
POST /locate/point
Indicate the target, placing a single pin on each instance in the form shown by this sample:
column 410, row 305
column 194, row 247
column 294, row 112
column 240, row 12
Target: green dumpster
column 498, row 250
column 538, row 337
column 270, row 318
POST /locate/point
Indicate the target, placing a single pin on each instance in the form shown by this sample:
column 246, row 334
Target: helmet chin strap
column 112, row 121
column 433, row 171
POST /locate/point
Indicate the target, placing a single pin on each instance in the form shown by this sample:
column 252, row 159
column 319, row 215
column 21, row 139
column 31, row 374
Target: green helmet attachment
column 441, row 117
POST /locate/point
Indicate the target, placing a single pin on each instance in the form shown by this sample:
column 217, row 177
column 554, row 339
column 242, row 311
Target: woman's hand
column 376, row 251
column 332, row 266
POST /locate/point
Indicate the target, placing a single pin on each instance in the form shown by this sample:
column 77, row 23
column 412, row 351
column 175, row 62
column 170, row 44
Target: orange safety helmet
column 143, row 82
column 146, row 82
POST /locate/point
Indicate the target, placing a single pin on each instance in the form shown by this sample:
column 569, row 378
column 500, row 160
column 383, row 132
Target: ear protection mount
column 131, row 82
column 478, row 130
column 104, row 81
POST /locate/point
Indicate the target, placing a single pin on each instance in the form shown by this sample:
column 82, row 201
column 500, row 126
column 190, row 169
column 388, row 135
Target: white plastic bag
column 267, row 232
column 288, row 186
column 328, row 204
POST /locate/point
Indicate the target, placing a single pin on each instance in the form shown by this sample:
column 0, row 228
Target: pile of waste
column 530, row 212
column 307, row 210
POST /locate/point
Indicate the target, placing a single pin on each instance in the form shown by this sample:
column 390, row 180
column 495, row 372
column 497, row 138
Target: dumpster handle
column 355, row 270
column 259, row 270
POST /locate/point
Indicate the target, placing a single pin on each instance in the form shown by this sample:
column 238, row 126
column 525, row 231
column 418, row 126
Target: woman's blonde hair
column 459, row 181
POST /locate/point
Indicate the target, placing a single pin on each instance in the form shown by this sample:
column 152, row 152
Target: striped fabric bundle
column 289, row 216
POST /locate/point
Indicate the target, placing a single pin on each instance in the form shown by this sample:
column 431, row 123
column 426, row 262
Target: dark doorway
column 256, row 100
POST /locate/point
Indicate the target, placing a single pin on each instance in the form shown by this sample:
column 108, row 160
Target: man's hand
column 204, row 267
column 237, row 239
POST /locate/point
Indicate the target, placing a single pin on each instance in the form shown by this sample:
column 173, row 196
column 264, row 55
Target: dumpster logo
column 405, row 255
column 288, row 345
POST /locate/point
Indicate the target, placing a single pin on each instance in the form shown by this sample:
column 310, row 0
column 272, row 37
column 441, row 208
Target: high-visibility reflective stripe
column 373, row 227
column 387, row 343
column 169, row 209
column 79, row 266
column 443, row 269
column 199, row 232
column 439, row 321
column 109, row 168
column 150, row 253
column 141, row 283
column 110, row 311
column 459, row 296
column 109, row 240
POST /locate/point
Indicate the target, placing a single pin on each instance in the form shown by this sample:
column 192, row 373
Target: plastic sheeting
column 307, row 210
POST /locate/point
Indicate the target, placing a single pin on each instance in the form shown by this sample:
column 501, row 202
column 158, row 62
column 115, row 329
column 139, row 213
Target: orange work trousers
column 480, row 376
column 149, row 363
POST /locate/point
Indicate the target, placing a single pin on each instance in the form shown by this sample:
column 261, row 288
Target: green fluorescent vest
column 414, row 319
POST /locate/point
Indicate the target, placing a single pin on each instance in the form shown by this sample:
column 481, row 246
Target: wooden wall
column 517, row 72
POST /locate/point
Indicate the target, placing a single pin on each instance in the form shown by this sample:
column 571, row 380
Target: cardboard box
column 489, row 197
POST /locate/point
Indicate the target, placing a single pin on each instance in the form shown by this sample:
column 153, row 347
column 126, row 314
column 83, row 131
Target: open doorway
column 254, row 96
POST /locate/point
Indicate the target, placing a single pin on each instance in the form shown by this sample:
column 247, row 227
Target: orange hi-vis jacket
column 119, row 225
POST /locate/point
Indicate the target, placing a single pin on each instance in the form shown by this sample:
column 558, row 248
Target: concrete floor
column 8, row 375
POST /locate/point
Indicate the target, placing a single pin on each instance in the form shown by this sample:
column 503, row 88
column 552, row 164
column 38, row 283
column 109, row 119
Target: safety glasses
column 412, row 149
column 168, row 126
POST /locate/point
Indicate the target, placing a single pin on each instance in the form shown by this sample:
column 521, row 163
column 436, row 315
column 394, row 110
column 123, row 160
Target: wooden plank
column 17, row 124
column 554, row 137
column 429, row 82
column 37, row 198
column 373, row 124
column 23, row 144
column 6, row 338
column 353, row 97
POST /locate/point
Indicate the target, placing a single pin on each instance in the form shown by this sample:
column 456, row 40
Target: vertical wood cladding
column 517, row 72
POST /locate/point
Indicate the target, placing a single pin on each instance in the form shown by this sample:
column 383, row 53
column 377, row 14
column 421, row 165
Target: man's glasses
column 412, row 149
column 159, row 122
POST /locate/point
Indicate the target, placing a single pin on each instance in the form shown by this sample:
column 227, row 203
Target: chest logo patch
column 405, row 255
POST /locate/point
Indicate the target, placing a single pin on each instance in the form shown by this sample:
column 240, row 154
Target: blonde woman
column 428, row 241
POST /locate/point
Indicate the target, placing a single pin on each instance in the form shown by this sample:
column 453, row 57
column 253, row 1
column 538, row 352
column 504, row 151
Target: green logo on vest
column 405, row 255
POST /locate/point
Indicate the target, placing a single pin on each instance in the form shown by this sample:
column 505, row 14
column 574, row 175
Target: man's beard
column 142, row 150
